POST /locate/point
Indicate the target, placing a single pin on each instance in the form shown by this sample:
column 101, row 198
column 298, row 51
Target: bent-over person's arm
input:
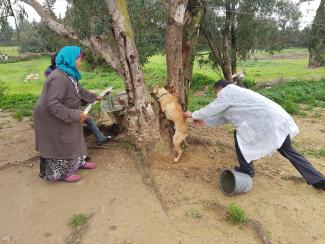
column 214, row 108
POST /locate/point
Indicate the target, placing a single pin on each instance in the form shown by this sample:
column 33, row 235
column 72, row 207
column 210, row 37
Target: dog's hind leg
column 185, row 142
column 177, row 140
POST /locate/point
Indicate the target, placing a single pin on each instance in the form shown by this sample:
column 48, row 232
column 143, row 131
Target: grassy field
column 19, row 93
column 10, row 51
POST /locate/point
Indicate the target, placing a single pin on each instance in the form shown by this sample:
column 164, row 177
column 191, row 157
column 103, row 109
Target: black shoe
column 320, row 185
column 239, row 169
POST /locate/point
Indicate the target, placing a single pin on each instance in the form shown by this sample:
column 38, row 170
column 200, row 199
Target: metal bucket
column 232, row 182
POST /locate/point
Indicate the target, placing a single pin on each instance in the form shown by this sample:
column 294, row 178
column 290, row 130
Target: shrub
column 249, row 83
column 293, row 93
column 235, row 214
column 199, row 81
column 21, row 104
column 78, row 219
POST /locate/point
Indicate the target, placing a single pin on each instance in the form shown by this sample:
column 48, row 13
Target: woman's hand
column 83, row 117
column 187, row 114
column 99, row 98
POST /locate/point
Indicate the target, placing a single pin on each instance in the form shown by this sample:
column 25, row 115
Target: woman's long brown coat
column 58, row 130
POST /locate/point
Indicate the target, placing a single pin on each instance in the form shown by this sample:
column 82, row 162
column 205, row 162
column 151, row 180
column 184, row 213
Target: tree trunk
column 194, row 16
column 226, row 31
column 141, row 121
column 174, row 58
column 316, row 44
column 233, row 32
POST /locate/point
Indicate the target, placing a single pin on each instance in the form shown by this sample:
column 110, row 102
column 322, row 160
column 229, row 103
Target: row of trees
column 126, row 32
column 317, row 38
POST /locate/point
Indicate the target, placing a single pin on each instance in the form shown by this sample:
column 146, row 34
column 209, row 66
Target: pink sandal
column 72, row 178
column 88, row 165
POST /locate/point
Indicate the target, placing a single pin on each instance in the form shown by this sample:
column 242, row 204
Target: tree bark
column 141, row 120
column 174, row 58
column 233, row 33
column 194, row 16
column 226, row 31
column 316, row 43
column 108, row 52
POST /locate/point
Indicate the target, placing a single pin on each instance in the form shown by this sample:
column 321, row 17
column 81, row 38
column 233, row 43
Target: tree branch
column 61, row 29
column 93, row 42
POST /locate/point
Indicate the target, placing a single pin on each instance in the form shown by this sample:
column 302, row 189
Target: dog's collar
column 163, row 95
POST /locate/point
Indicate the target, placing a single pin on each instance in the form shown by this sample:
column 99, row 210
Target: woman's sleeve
column 56, row 91
column 217, row 106
column 87, row 96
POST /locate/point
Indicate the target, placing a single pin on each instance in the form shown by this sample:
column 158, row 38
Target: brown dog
column 173, row 112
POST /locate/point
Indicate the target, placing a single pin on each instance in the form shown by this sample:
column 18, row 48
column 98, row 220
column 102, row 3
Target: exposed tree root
column 142, row 155
column 75, row 237
column 147, row 177
column 256, row 225
column 195, row 139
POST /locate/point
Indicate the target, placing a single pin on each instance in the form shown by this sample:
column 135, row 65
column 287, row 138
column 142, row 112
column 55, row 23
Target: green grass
column 10, row 51
column 78, row 220
column 235, row 215
column 20, row 95
column 294, row 93
column 272, row 69
column 193, row 213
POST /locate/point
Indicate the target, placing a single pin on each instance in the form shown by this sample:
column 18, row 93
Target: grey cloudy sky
column 308, row 10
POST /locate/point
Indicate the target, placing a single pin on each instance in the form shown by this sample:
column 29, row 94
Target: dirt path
column 125, row 211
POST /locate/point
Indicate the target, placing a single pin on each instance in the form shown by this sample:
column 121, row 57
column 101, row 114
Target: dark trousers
column 304, row 167
column 92, row 126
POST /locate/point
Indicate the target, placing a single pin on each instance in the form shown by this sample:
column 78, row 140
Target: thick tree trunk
column 312, row 59
column 141, row 121
column 233, row 32
column 316, row 43
column 174, row 58
column 194, row 16
column 226, row 32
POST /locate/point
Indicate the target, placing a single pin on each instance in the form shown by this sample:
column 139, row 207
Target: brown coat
column 58, row 130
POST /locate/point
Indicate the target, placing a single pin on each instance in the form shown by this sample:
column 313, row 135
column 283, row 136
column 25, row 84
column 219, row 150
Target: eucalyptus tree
column 6, row 34
column 316, row 43
column 117, row 32
column 235, row 28
column 184, row 20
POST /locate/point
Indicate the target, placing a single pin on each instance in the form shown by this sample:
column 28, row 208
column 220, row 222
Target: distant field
column 10, row 51
column 288, row 65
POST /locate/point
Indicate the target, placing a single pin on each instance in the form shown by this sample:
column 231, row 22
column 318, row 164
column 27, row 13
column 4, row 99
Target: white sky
column 308, row 11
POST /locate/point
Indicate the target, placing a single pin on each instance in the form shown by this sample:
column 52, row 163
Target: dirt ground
column 182, row 210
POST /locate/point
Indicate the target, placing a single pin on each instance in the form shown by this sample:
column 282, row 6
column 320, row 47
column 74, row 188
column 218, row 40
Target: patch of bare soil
column 125, row 210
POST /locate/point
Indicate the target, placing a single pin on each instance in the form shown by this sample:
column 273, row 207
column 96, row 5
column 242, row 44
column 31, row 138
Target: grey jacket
column 58, row 130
